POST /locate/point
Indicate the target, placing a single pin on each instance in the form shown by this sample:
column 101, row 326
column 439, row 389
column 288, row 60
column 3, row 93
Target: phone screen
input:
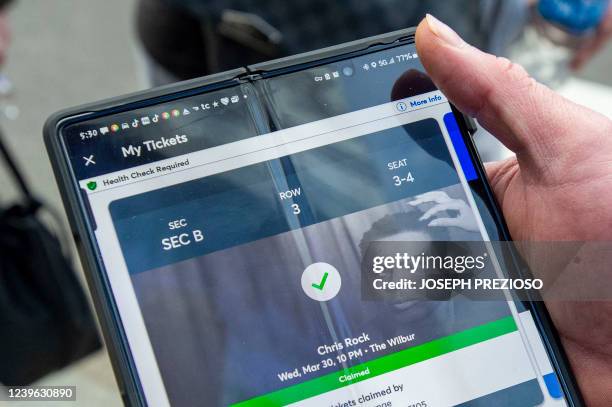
column 231, row 225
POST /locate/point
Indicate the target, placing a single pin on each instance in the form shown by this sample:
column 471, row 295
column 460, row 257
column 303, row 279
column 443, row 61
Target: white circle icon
column 401, row 106
column 321, row 281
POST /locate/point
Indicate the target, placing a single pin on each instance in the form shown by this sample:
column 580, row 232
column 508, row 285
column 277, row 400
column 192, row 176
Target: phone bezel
column 81, row 225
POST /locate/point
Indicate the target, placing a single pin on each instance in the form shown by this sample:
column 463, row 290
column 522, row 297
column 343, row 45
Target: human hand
column 602, row 34
column 559, row 185
column 465, row 216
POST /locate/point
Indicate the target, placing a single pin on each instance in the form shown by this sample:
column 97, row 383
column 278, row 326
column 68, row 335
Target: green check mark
column 322, row 283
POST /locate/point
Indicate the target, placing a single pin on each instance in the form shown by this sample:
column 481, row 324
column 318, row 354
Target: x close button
column 89, row 160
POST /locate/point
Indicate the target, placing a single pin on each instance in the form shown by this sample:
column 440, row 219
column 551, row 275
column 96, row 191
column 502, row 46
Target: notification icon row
column 165, row 115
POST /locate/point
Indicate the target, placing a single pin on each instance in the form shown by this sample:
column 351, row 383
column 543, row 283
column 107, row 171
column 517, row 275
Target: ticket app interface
column 232, row 225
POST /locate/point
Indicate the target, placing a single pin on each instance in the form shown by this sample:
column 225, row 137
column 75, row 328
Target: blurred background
column 68, row 52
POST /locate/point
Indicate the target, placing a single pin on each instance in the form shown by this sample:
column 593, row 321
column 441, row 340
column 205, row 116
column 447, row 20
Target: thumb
column 541, row 127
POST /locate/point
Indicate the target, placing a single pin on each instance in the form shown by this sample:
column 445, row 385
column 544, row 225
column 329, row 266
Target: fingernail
column 444, row 32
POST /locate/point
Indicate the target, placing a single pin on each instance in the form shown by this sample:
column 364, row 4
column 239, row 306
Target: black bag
column 45, row 320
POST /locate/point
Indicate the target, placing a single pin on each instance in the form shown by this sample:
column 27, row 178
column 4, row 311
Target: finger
column 530, row 119
column 451, row 205
column 432, row 196
column 585, row 53
column 500, row 174
column 419, row 200
column 444, row 222
column 602, row 35
column 461, row 222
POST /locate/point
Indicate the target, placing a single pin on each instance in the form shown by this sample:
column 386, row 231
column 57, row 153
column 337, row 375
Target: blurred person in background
column 45, row 319
column 5, row 30
column 184, row 39
column 5, row 41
